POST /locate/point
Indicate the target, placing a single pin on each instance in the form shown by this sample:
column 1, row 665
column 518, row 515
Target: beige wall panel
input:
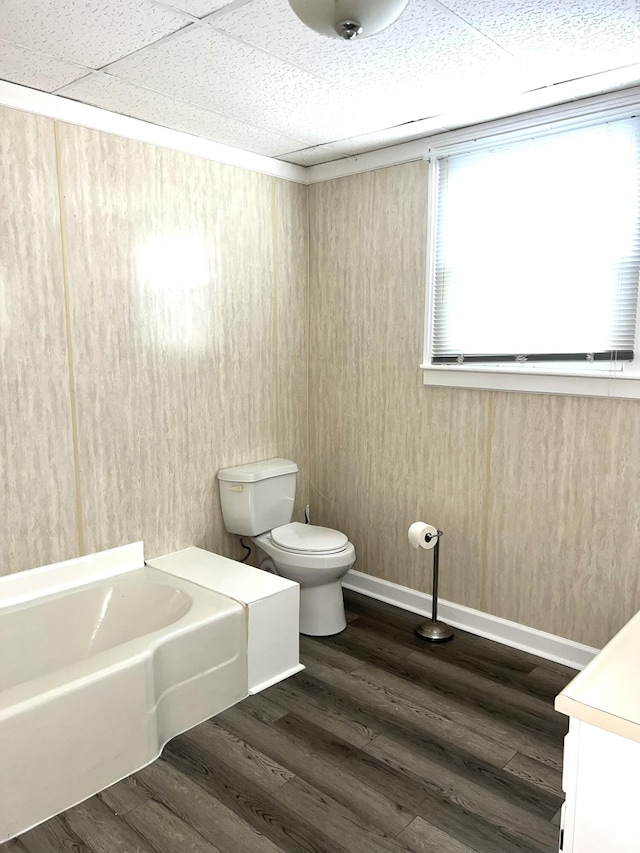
column 172, row 299
column 538, row 495
column 385, row 450
column 38, row 522
column 564, row 514
column 291, row 274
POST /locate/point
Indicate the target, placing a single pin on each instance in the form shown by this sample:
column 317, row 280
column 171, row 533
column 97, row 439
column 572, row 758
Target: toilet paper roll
column 422, row 535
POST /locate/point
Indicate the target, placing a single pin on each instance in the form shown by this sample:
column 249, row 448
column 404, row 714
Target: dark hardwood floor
column 383, row 743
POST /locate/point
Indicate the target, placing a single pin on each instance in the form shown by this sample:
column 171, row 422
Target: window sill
column 533, row 381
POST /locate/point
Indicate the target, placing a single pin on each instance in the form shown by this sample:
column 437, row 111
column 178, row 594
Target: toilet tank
column 257, row 497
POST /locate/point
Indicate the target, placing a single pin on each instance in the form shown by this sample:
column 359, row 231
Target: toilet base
column 319, row 575
column 322, row 610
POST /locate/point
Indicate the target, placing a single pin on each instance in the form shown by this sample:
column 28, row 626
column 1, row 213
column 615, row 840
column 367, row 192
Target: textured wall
column 538, row 495
column 160, row 330
column 291, row 276
column 38, row 494
column 181, row 290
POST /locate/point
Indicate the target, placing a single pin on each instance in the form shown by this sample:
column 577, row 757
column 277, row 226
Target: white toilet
column 257, row 502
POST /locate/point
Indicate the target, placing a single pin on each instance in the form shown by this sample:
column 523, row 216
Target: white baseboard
column 549, row 646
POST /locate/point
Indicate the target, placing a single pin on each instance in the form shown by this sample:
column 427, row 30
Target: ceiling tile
column 199, row 8
column 350, row 147
column 251, row 75
column 369, row 142
column 312, row 156
column 113, row 94
column 424, row 43
column 564, row 38
column 89, row 33
column 204, row 67
column 410, row 71
column 28, row 68
column 466, row 114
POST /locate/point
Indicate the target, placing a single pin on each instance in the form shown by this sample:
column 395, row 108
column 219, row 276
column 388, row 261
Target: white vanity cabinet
column 601, row 770
column 601, row 780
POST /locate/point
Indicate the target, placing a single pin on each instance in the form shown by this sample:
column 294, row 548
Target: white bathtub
column 102, row 660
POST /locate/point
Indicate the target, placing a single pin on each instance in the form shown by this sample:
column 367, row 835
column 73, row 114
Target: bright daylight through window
column 534, row 258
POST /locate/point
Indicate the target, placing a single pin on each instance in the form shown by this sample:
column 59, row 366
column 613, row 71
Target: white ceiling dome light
column 348, row 19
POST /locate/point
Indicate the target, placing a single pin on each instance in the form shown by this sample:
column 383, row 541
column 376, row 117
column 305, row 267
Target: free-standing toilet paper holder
column 432, row 629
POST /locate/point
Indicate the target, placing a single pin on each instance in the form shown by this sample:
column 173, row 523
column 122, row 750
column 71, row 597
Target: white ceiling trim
column 443, row 129
column 73, row 112
column 611, row 106
column 467, row 124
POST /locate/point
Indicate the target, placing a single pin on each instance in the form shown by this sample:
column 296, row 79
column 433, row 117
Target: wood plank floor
column 383, row 743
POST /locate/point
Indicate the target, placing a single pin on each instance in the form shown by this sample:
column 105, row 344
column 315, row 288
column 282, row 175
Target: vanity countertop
column 607, row 691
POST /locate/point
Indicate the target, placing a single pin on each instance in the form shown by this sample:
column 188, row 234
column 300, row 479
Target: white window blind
column 537, row 249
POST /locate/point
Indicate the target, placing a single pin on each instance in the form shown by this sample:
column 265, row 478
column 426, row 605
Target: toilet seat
column 300, row 538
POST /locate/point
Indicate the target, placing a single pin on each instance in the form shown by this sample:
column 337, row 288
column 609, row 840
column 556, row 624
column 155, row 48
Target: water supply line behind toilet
column 426, row 536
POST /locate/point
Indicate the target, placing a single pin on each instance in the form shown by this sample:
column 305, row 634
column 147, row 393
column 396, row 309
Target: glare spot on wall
column 175, row 281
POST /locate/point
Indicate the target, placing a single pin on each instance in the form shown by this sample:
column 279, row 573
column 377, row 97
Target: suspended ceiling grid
column 249, row 74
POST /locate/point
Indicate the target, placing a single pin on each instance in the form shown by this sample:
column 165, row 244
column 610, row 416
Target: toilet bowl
column 317, row 558
column 257, row 501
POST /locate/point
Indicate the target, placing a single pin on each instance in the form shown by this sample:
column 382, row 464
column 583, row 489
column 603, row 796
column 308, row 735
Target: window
column 534, row 259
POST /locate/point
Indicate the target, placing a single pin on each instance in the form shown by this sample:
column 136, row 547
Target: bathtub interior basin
column 95, row 618
column 94, row 680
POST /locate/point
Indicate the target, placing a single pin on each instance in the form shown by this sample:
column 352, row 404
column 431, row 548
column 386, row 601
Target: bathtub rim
column 14, row 699
column 23, row 586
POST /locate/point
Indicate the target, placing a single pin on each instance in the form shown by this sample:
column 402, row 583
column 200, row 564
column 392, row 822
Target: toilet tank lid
column 255, row 471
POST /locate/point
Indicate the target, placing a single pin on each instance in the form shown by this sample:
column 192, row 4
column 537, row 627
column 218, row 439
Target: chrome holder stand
column 432, row 629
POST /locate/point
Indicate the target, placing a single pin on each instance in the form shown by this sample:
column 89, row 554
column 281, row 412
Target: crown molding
column 73, row 112
column 617, row 93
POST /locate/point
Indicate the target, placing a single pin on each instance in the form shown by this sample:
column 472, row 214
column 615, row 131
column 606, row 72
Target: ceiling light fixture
column 348, row 19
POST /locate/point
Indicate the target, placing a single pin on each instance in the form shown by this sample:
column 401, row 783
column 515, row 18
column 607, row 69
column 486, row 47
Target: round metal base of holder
column 435, row 632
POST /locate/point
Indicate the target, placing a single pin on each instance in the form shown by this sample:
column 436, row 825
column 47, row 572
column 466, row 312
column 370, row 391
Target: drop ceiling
column 249, row 74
